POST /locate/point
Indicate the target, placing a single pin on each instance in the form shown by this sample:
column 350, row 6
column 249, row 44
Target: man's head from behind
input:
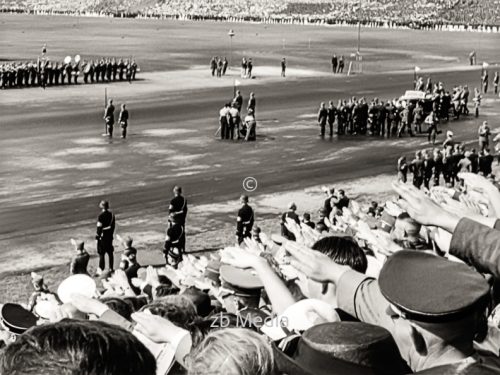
column 77, row 347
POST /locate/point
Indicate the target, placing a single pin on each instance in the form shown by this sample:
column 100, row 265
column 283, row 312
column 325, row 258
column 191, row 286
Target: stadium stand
column 421, row 13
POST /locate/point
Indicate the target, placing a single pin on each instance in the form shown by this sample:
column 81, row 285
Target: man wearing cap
column 417, row 300
column 80, row 261
column 104, row 236
column 245, row 220
column 178, row 206
column 129, row 262
column 292, row 207
column 175, row 242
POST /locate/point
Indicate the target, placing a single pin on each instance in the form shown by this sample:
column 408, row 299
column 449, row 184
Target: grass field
column 165, row 45
column 55, row 166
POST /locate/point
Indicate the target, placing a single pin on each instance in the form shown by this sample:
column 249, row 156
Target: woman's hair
column 178, row 309
column 344, row 251
column 136, row 303
column 119, row 306
column 232, row 351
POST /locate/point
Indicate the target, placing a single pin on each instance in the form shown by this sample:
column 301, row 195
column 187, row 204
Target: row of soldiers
column 108, row 70
column 394, row 117
column 429, row 165
column 45, row 73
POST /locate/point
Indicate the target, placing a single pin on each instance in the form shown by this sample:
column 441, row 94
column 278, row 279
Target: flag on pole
column 417, row 69
column 236, row 82
column 485, row 65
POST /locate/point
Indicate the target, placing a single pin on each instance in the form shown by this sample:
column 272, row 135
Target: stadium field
column 55, row 166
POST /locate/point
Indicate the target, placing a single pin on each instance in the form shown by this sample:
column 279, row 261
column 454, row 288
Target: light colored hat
column 81, row 284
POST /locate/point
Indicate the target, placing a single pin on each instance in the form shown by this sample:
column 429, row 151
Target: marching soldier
column 175, row 242
column 322, row 118
column 104, row 236
column 114, row 68
column 109, row 118
column 121, row 69
column 109, row 70
column 123, row 120
column 332, row 113
column 244, row 221
column 178, row 206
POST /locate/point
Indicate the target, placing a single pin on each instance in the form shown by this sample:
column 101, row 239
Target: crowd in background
column 479, row 15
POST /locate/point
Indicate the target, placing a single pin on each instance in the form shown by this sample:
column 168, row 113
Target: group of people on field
column 232, row 125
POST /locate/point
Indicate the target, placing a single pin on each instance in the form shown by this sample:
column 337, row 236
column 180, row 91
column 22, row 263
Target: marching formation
column 45, row 72
column 426, row 106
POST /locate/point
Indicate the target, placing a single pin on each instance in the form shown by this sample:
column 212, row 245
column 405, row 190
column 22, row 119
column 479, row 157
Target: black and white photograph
column 249, row 187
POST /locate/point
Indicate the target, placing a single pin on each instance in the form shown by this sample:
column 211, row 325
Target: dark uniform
column 284, row 231
column 244, row 222
column 123, row 121
column 178, row 208
column 332, row 113
column 322, row 118
column 104, row 236
column 109, row 118
column 175, row 243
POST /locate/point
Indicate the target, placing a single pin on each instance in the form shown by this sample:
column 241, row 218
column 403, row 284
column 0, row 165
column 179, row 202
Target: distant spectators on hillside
column 442, row 14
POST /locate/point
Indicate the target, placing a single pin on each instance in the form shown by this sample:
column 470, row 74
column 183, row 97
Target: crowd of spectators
column 408, row 286
column 441, row 14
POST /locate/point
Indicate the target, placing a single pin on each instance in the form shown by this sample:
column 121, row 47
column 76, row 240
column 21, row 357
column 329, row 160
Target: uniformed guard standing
column 245, row 220
column 123, row 120
column 175, row 242
column 178, row 206
column 104, row 236
column 109, row 118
